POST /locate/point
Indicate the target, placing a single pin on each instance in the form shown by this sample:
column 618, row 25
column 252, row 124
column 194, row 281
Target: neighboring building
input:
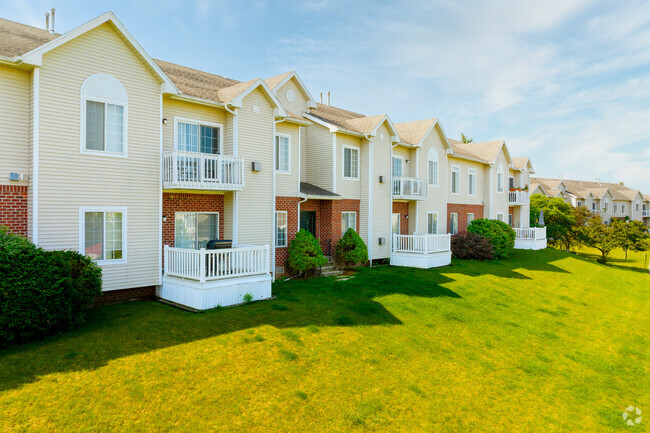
column 147, row 166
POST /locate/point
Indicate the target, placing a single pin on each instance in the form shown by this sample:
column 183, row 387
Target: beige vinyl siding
column 173, row 109
column 287, row 184
column 15, row 124
column 499, row 199
column 30, row 159
column 319, row 161
column 255, row 202
column 304, row 152
column 347, row 188
column 382, row 193
column 481, row 185
column 364, row 203
column 437, row 195
column 69, row 179
column 299, row 105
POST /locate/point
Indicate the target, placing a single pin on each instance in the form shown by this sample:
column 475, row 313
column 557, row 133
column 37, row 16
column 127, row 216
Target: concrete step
column 331, row 273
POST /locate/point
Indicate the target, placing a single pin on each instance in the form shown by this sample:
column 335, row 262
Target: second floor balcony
column 518, row 198
column 409, row 188
column 645, row 214
column 193, row 170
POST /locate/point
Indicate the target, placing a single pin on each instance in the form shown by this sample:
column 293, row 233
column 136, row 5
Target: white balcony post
column 166, row 257
column 174, row 168
column 202, row 265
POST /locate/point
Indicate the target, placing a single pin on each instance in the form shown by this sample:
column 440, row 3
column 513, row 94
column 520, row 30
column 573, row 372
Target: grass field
column 544, row 341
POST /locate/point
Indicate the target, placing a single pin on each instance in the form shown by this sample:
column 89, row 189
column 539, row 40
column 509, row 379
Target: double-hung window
column 104, row 114
column 432, row 167
column 453, row 223
column 103, row 234
column 193, row 230
column 622, row 208
column 455, row 179
column 615, row 207
column 398, row 168
column 432, row 223
column 470, row 218
column 281, row 229
column 348, row 221
column 198, row 137
column 282, row 153
column 350, row 162
column 500, row 178
column 500, row 216
column 471, row 181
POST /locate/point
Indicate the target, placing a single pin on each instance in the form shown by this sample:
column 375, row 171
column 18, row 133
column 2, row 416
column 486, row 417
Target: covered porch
column 421, row 251
column 531, row 238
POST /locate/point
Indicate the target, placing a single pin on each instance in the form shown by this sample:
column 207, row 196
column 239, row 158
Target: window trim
column 502, row 216
column 82, row 232
column 500, row 186
column 343, row 176
column 471, row 171
column 399, row 223
column 401, row 158
column 454, row 168
column 451, row 226
column 434, row 152
column 197, row 222
column 468, row 220
column 288, row 136
column 355, row 220
column 437, row 222
column 180, row 119
column 124, row 103
column 275, row 223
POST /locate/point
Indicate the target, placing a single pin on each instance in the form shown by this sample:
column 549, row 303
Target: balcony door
column 193, row 230
column 396, row 224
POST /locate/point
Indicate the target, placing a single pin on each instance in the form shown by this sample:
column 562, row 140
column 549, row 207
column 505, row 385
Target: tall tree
column 465, row 139
column 600, row 236
column 558, row 218
column 632, row 235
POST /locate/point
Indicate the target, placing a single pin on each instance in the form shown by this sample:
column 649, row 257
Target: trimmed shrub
column 42, row 292
column 471, row 246
column 351, row 249
column 500, row 235
column 305, row 254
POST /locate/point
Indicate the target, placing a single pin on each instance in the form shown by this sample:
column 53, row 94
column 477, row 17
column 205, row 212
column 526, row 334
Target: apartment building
column 191, row 185
column 609, row 200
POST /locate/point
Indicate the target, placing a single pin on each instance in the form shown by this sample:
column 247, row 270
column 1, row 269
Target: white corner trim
column 334, row 163
column 36, row 100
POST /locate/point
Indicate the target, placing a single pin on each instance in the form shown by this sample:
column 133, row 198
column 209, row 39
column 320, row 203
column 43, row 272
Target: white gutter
column 35, row 152
column 235, row 195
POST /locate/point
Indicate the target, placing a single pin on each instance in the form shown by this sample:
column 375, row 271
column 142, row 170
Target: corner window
column 350, row 163
column 104, row 115
column 282, row 153
column 348, row 221
column 193, row 230
column 197, row 137
column 471, row 181
column 432, row 167
column 102, row 234
column 453, row 223
column 281, row 229
column 455, row 179
column 432, row 223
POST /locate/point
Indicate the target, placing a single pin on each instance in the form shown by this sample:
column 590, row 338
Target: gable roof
column 521, row 162
column 485, row 152
column 415, row 132
column 275, row 83
column 18, row 39
column 582, row 188
column 195, row 83
column 349, row 121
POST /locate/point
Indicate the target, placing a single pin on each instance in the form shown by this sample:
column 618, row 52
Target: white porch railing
column 410, row 188
column 423, row 244
column 531, row 233
column 195, row 170
column 206, row 265
column 518, row 198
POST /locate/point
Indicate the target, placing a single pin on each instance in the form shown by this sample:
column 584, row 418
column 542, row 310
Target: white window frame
column 399, row 223
column 451, row 224
column 511, row 220
column 454, row 169
column 432, row 156
column 606, row 205
column 623, row 208
column 286, row 216
column 355, row 221
column 469, row 221
column 615, row 208
column 513, row 182
column 500, row 216
column 358, row 150
column 123, row 102
column 288, row 170
column 82, row 232
column 392, row 167
column 199, row 123
column 470, row 172
column 197, row 223
column 500, row 179
column 437, row 223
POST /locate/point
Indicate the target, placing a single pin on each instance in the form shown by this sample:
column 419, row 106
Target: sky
column 564, row 82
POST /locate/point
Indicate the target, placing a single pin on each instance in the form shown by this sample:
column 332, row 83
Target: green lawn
column 544, row 341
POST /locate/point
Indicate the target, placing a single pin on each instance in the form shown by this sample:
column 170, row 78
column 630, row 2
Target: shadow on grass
column 614, row 262
column 121, row 330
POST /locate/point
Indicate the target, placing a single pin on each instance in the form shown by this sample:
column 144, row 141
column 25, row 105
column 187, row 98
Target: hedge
column 305, row 254
column 351, row 249
column 500, row 235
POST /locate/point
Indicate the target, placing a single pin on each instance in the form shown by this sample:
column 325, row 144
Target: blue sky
column 566, row 82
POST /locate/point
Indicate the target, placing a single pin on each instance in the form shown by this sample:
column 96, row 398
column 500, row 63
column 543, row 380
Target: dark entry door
column 308, row 221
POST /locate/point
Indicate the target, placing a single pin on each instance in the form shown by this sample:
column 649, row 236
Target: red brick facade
column 402, row 208
column 462, row 210
column 290, row 205
column 117, row 296
column 13, row 208
column 328, row 220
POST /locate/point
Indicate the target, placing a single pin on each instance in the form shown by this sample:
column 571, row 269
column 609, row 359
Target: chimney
column 47, row 21
column 328, row 97
column 321, row 97
column 52, row 13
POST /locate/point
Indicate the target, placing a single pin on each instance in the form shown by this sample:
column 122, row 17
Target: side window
column 432, row 167
column 104, row 116
column 102, row 234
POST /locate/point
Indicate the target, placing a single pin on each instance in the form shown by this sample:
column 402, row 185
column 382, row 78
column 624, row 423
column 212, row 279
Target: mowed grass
column 544, row 341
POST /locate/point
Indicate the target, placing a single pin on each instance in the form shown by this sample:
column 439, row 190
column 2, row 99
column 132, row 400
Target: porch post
column 202, row 267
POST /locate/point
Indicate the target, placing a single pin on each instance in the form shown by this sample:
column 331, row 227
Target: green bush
column 471, row 246
column 42, row 292
column 351, row 249
column 500, row 235
column 305, row 254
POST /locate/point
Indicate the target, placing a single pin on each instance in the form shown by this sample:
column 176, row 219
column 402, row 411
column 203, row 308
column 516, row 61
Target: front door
column 308, row 221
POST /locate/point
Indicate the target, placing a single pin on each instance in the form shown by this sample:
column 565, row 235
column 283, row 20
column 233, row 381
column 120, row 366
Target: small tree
column 559, row 218
column 597, row 235
column 500, row 235
column 581, row 216
column 351, row 249
column 465, row 139
column 305, row 254
column 631, row 235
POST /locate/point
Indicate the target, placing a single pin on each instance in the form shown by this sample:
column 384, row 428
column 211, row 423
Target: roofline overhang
column 319, row 197
column 292, row 74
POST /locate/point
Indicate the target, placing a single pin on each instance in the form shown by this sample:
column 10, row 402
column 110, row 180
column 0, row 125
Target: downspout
column 160, row 196
column 491, row 195
column 235, row 195
column 370, row 167
column 299, row 175
column 390, row 214
column 35, row 151
column 275, row 122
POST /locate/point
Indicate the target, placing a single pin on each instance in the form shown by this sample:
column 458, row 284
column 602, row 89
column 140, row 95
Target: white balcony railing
column 195, row 170
column 423, row 244
column 531, row 233
column 206, row 265
column 410, row 188
column 520, row 198
column 645, row 213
